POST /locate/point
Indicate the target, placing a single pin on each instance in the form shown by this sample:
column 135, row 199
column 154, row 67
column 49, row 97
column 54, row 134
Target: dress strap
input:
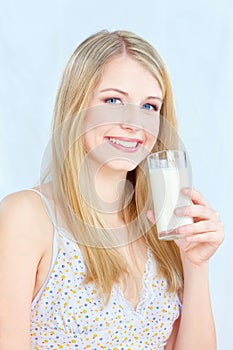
column 48, row 206
column 55, row 245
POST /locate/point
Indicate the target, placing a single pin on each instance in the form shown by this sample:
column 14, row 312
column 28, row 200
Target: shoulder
column 17, row 206
column 25, row 236
column 22, row 215
column 17, row 201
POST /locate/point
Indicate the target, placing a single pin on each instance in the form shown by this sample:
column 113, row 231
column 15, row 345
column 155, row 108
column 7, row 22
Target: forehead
column 127, row 74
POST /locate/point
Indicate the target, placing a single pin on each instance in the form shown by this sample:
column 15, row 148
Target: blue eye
column 113, row 100
column 150, row 107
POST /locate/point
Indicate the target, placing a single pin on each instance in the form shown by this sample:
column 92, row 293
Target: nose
column 131, row 118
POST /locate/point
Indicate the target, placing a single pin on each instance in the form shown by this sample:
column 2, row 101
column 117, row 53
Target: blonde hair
column 105, row 266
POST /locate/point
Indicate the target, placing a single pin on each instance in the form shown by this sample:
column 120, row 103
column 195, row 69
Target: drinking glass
column 169, row 172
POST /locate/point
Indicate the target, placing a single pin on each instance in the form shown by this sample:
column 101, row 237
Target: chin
column 122, row 165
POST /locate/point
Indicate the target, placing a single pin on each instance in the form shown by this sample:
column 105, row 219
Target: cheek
column 150, row 141
column 152, row 135
column 151, row 129
column 88, row 141
column 93, row 138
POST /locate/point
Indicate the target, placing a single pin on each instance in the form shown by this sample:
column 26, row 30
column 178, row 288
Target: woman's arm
column 195, row 330
column 196, row 318
column 21, row 249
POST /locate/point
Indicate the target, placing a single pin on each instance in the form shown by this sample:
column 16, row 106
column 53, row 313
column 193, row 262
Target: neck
column 106, row 190
column 110, row 186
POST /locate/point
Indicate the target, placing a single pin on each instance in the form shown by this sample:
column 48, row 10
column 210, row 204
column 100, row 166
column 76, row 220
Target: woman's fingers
column 195, row 196
column 201, row 227
column 197, row 211
column 151, row 216
column 214, row 237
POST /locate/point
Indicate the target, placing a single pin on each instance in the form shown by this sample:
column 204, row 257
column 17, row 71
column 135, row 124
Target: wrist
column 189, row 266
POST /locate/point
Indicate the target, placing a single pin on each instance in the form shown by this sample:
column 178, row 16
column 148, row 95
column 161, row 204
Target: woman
column 87, row 271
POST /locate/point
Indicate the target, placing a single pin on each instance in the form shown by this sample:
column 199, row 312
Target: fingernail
column 189, row 238
column 185, row 190
column 182, row 229
column 179, row 211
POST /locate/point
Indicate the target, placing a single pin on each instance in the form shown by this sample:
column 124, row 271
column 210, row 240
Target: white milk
column 166, row 184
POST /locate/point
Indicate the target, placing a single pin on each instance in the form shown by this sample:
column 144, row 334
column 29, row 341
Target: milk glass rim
column 181, row 151
column 177, row 158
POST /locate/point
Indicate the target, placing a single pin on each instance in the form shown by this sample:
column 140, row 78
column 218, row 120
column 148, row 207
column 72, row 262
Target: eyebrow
column 126, row 94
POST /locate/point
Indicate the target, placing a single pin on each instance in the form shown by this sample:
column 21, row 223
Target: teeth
column 123, row 143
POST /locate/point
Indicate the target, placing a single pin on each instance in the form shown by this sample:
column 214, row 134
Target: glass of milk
column 169, row 173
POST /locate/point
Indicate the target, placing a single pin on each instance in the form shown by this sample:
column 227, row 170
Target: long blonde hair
column 105, row 266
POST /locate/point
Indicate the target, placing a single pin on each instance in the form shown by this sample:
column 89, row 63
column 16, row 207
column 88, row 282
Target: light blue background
column 196, row 41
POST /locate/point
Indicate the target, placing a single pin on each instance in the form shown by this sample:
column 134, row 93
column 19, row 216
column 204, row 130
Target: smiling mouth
column 124, row 143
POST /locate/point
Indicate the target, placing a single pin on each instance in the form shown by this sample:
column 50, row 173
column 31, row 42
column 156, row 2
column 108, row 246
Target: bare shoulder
column 19, row 200
column 25, row 236
column 22, row 214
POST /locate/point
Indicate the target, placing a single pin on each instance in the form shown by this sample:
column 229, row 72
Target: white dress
column 68, row 315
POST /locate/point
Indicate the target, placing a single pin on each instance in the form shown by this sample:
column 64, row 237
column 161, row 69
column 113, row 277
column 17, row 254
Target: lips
column 124, row 143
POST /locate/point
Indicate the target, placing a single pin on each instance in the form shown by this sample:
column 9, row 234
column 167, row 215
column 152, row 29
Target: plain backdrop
column 195, row 40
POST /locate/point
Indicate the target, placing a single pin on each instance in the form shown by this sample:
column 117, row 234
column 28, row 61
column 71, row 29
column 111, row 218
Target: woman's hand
column 207, row 229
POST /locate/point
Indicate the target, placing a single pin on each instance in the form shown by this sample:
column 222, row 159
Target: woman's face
column 122, row 122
